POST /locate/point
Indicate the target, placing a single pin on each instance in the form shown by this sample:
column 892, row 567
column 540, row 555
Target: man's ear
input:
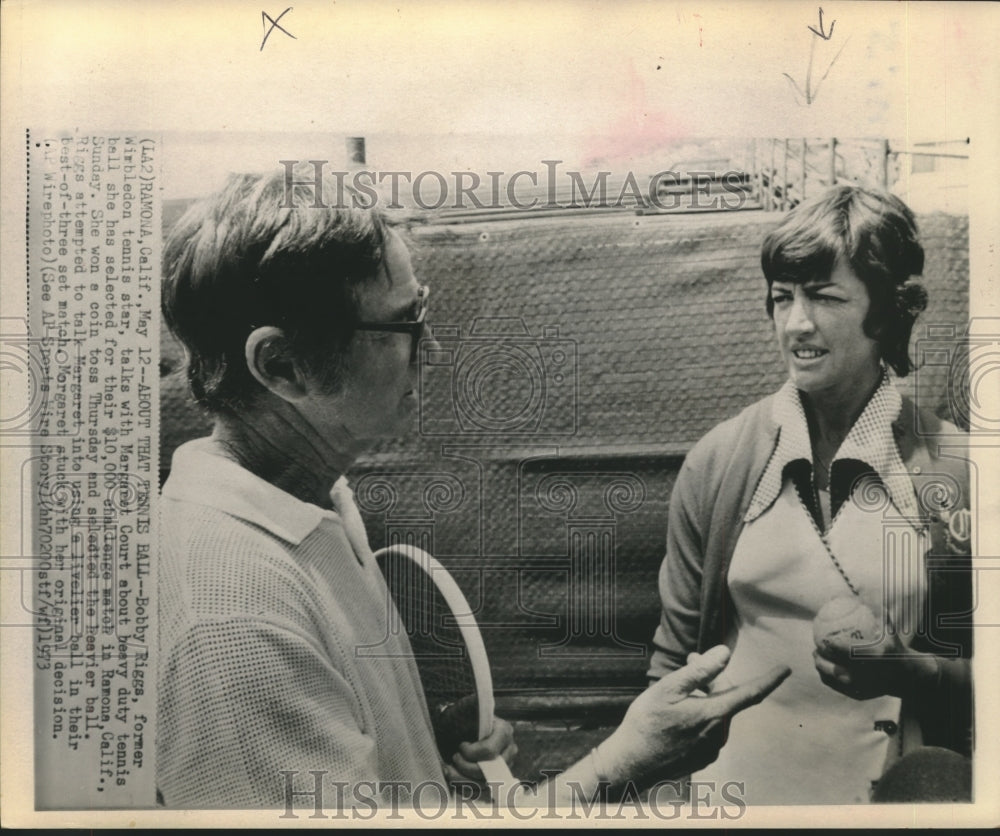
column 272, row 362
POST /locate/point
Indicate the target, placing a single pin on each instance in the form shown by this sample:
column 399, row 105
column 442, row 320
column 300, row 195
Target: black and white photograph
column 454, row 414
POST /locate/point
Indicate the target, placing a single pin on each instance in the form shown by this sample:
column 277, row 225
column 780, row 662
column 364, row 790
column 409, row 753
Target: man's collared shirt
column 276, row 655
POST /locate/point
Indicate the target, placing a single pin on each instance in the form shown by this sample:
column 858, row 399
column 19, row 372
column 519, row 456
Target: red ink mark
column 639, row 131
column 699, row 29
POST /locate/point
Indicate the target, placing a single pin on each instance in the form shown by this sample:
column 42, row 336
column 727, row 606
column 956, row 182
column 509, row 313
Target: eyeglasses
column 414, row 327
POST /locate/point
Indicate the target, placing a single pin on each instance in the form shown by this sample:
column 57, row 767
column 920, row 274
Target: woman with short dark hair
column 811, row 523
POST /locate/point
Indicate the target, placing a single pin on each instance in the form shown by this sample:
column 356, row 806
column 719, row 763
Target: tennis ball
column 844, row 622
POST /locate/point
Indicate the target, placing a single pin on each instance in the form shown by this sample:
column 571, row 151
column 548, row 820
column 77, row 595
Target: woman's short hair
column 240, row 259
column 876, row 234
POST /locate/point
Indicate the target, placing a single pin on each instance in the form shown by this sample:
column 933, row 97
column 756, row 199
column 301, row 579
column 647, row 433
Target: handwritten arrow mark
column 823, row 34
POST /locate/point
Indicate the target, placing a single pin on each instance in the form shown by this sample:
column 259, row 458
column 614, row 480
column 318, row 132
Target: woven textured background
column 548, row 446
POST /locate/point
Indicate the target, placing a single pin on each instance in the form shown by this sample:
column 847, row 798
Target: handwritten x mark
column 274, row 25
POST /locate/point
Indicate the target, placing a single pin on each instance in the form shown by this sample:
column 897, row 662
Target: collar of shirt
column 342, row 498
column 201, row 473
column 870, row 441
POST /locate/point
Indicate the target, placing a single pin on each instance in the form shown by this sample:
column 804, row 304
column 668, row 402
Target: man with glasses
column 301, row 327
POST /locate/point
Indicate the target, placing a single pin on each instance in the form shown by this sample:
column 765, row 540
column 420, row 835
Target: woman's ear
column 272, row 362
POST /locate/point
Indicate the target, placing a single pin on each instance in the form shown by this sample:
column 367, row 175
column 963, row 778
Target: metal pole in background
column 356, row 150
column 805, row 152
column 770, row 178
column 784, row 181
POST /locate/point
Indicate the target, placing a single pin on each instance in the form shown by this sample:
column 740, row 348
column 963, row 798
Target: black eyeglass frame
column 414, row 327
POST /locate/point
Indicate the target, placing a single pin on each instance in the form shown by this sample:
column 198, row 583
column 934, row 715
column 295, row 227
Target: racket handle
column 496, row 772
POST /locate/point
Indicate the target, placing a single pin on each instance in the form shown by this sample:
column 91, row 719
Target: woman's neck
column 832, row 414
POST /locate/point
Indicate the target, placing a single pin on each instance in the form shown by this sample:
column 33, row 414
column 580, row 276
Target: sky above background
column 450, row 86
column 622, row 75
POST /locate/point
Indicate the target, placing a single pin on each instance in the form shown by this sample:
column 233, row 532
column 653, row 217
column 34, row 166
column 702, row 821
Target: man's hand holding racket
column 465, row 762
column 667, row 732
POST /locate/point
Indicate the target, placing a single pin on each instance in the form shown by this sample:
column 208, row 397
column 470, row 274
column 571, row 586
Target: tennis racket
column 448, row 649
